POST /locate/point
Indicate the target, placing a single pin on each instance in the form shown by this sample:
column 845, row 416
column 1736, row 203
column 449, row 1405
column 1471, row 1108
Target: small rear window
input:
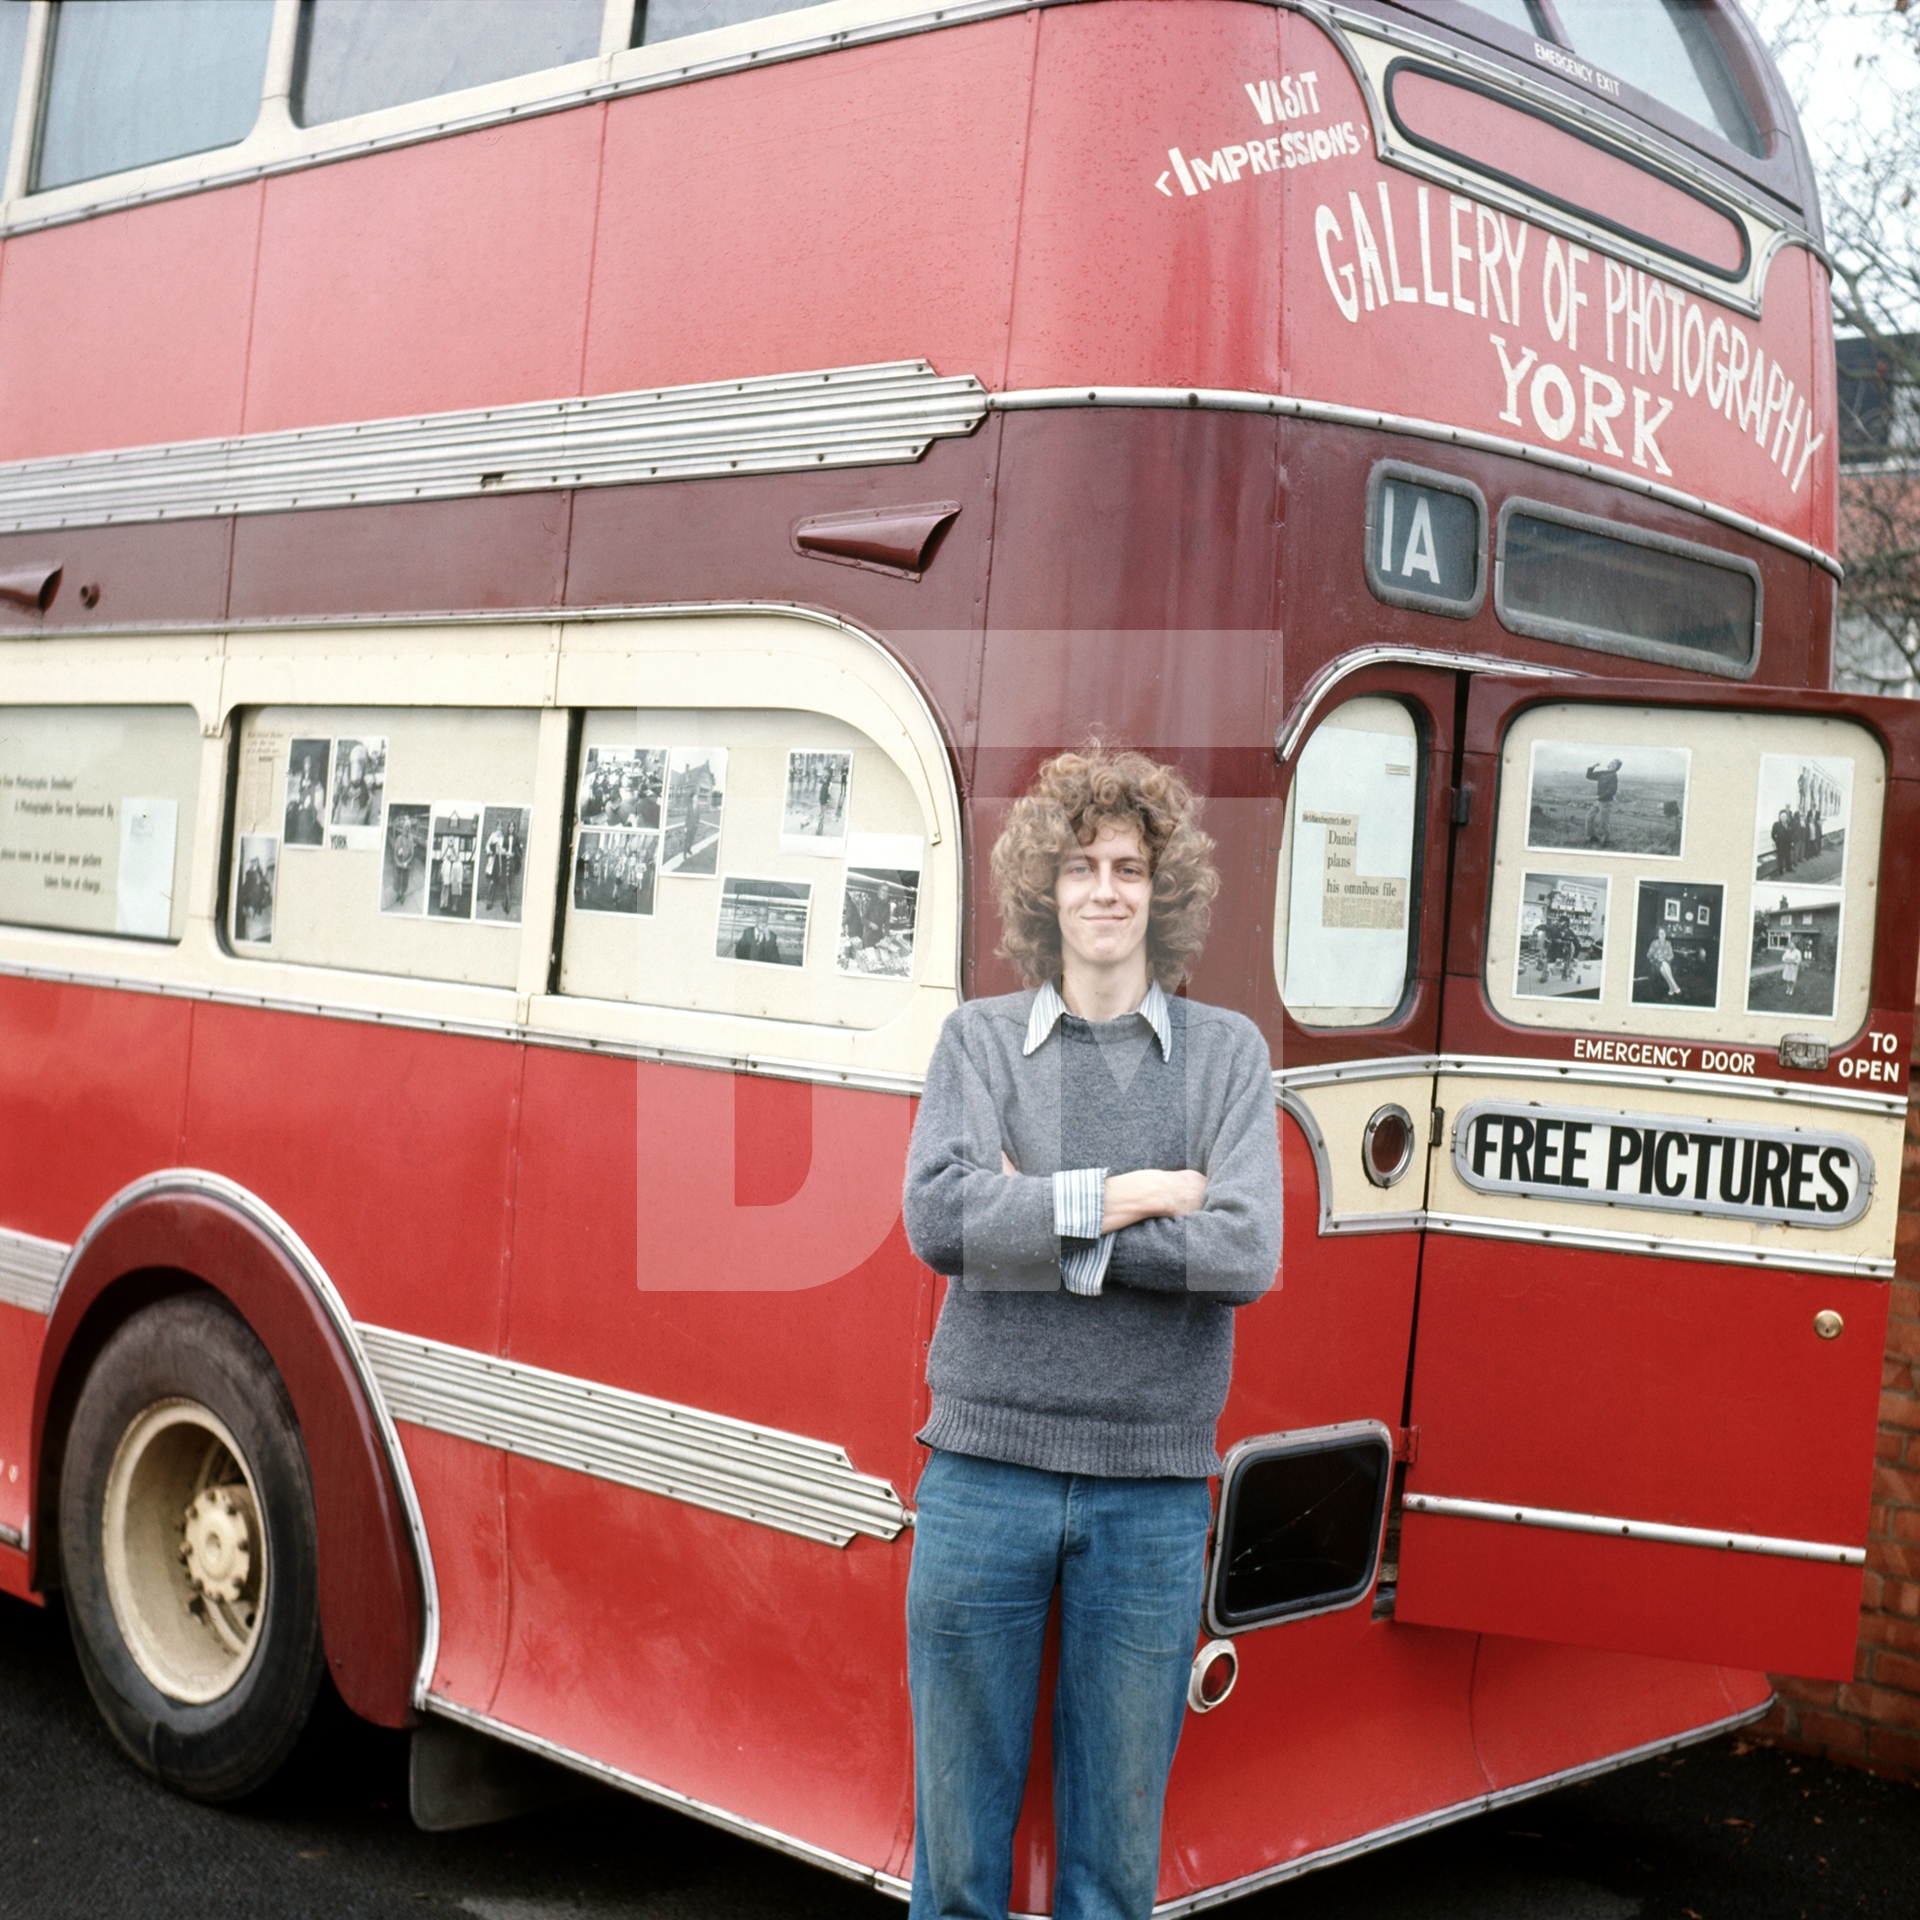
column 1596, row 583
column 674, row 19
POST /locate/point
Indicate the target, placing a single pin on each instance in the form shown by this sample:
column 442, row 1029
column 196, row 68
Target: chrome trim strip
column 1288, row 406
column 767, row 1066
column 217, row 1187
column 1614, row 1528
column 30, row 1270
column 669, row 1797
column 886, row 414
column 14, row 1537
column 1859, row 1266
column 781, row 1480
column 1360, row 658
column 1593, row 1074
column 1447, row 1816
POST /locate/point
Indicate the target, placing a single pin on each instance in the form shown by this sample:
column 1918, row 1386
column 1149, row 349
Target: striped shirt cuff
column 1079, row 1204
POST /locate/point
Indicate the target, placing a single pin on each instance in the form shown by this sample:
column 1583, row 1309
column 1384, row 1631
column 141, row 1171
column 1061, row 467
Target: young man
column 1096, row 1167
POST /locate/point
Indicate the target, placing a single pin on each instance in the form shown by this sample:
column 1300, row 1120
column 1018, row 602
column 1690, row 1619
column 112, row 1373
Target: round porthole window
column 1386, row 1148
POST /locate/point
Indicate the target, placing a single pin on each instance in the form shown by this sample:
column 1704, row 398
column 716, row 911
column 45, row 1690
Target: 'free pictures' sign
column 1798, row 1177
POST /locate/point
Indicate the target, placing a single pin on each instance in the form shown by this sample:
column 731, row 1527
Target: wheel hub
column 217, row 1542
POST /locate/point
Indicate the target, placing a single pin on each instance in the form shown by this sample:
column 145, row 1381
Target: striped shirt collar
column 1048, row 1007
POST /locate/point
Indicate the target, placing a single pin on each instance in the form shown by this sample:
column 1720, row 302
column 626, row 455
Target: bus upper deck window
column 1667, row 50
column 1512, row 13
column 673, row 19
column 13, row 47
column 130, row 85
column 1597, row 583
column 359, row 55
column 97, row 832
column 1346, row 912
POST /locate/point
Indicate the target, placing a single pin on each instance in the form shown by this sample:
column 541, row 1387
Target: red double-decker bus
column 538, row 544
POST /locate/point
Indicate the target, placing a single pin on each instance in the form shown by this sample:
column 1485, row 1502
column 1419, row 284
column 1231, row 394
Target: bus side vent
column 895, row 540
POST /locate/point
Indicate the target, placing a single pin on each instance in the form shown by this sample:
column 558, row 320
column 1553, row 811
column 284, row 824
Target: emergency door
column 1661, row 1205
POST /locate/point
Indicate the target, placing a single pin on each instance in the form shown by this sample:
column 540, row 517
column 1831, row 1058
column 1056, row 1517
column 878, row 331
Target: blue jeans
column 991, row 1542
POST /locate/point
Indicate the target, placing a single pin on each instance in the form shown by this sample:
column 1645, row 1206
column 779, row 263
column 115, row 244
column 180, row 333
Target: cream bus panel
column 363, row 838
column 96, row 818
column 743, row 861
column 1711, row 876
column 1343, row 918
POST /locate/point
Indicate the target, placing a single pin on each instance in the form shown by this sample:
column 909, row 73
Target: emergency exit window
column 1346, row 915
column 1426, row 540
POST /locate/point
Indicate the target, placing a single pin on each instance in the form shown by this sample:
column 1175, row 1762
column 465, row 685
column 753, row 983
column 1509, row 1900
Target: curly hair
column 1074, row 796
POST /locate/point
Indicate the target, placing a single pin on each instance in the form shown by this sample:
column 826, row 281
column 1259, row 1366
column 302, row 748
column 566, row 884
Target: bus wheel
column 189, row 1550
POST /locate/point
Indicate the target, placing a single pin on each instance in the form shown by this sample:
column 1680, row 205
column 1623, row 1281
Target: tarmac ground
column 1726, row 1831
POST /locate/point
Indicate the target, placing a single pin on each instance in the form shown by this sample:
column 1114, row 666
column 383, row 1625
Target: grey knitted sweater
column 1128, row 1382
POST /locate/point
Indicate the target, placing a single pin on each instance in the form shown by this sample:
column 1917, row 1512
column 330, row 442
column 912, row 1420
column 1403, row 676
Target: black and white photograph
column 1676, row 945
column 503, row 864
column 763, row 922
column 403, row 861
column 1563, row 936
column 879, row 904
column 1794, row 963
column 622, row 786
column 1608, row 799
column 615, row 872
column 696, row 797
column 813, row 813
column 1800, row 819
column 256, row 884
column 359, row 800
column 453, row 861
column 306, row 822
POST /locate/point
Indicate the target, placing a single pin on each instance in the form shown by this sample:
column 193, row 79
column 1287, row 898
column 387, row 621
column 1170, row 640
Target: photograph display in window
column 503, row 864
column 1676, row 945
column 403, row 861
column 1608, row 799
column 1562, row 943
column 763, row 922
column 622, row 787
column 879, row 905
column 307, row 764
column 696, row 798
column 1794, row 963
column 256, row 882
column 358, row 805
column 615, row 872
column 453, row 859
column 1800, row 820
column 814, row 810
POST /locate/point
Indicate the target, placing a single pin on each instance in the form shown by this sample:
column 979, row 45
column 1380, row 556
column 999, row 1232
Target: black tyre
column 189, row 1550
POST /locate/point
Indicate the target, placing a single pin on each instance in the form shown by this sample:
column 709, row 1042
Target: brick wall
column 1873, row 1720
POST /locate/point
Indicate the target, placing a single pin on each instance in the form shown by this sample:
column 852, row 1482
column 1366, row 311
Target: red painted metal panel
column 22, row 1335
column 824, row 213
column 422, row 558
column 81, row 1066
column 1684, row 1603
column 749, row 1669
column 389, row 1151
column 609, row 1285
column 128, row 328
column 462, row 1490
column 1686, row 1393
column 153, row 573
column 1540, row 1709
column 451, row 274
column 1119, row 283
column 1338, row 1726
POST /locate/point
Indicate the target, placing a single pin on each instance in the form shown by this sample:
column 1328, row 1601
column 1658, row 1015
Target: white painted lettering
column 1559, row 423
column 1644, row 429
column 1598, row 413
column 1513, row 375
column 1326, row 226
